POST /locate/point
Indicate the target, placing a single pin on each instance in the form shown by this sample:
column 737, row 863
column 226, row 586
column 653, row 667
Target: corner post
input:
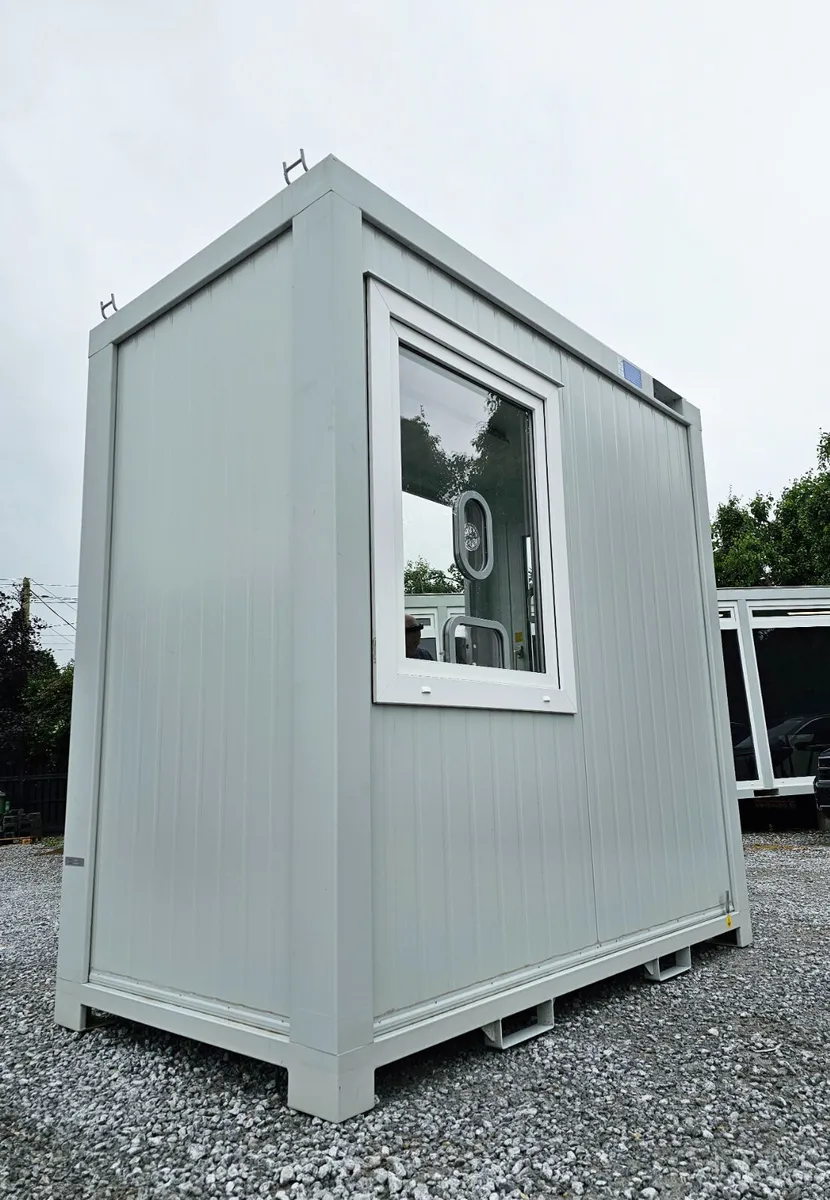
column 88, row 693
column 717, row 677
column 332, row 1003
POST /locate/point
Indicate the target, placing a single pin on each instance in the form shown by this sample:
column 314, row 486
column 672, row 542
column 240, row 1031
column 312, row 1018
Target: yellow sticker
column 728, row 921
column 518, row 636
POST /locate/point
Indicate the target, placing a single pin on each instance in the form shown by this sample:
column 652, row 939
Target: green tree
column 34, row 692
column 802, row 527
column 21, row 656
column 742, row 542
column 777, row 543
column 47, row 707
column 420, row 579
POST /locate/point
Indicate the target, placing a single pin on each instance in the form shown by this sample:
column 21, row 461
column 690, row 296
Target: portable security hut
column 291, row 831
column 776, row 651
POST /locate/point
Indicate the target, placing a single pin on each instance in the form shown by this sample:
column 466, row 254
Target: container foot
column 497, row 1039
column 318, row 1085
column 669, row 966
column 740, row 937
column 69, row 1012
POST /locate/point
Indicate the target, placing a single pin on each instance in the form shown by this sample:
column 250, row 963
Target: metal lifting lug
column 287, row 168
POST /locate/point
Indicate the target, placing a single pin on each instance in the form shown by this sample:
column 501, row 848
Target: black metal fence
column 41, row 793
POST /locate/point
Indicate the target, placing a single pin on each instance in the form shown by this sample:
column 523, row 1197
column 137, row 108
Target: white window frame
column 802, row 614
column 799, row 616
column 728, row 616
column 394, row 319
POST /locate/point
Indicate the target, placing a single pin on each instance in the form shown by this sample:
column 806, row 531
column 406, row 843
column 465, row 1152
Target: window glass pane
column 794, row 666
column 479, row 646
column 458, row 438
column 743, row 747
column 424, row 621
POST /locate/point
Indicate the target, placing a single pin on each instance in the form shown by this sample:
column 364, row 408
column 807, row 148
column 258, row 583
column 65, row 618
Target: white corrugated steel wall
column 500, row 840
column 194, row 805
column 503, row 840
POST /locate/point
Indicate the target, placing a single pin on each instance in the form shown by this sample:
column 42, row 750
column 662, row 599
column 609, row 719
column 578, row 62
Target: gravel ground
column 715, row 1084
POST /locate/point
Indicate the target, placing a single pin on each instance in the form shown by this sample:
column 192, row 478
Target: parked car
column 795, row 745
column 821, row 787
column 740, row 731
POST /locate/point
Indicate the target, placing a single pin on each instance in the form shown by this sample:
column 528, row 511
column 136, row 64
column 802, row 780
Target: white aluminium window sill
column 453, row 685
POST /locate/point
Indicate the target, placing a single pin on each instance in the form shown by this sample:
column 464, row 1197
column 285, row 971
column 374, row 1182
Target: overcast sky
column 655, row 171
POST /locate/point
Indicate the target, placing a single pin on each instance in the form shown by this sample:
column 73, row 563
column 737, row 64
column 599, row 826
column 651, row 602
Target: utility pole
column 26, row 600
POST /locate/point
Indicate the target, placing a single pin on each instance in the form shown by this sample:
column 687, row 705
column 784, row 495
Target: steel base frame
column 338, row 1087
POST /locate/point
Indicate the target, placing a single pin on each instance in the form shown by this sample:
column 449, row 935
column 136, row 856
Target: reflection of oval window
column 473, row 536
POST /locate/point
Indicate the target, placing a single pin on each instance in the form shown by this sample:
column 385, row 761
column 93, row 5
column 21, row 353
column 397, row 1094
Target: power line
column 52, row 637
column 44, row 588
column 54, row 611
column 18, row 579
column 48, row 589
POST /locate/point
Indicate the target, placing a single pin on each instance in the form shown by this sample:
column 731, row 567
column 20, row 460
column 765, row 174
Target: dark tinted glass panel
column 743, row 748
column 794, row 666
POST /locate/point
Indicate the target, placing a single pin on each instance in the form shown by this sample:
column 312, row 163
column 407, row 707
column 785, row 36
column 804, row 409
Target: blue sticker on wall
column 631, row 374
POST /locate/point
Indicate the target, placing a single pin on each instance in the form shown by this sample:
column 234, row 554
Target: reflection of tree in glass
column 426, row 468
column 495, row 460
column 496, row 467
column 420, row 579
column 499, row 469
